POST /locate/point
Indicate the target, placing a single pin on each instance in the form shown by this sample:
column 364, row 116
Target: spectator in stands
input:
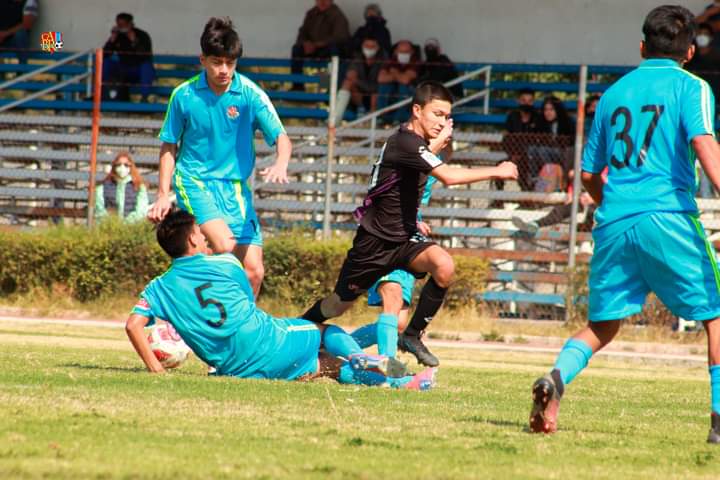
column 525, row 118
column 711, row 16
column 520, row 124
column 17, row 18
column 128, row 59
column 360, row 86
column 374, row 28
column 396, row 80
column 324, row 33
column 123, row 192
column 439, row 67
column 550, row 154
column 706, row 61
column 590, row 107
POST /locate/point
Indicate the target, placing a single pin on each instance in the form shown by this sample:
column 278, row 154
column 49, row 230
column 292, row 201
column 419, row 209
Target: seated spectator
column 549, row 156
column 590, row 108
column 324, row 33
column 439, row 67
column 711, row 16
column 17, row 18
column 360, row 86
column 123, row 192
column 396, row 80
column 525, row 118
column 128, row 59
column 374, row 28
column 706, row 61
column 520, row 124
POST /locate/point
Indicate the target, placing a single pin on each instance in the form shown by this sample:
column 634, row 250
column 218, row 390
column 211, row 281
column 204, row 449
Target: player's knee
column 392, row 299
column 445, row 272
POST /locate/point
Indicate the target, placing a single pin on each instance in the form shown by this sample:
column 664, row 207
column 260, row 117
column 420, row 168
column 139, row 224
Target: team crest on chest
column 232, row 112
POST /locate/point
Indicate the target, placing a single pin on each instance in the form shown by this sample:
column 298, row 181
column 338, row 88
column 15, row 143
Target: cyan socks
column 387, row 334
column 573, row 358
column 366, row 335
column 715, row 388
column 338, row 343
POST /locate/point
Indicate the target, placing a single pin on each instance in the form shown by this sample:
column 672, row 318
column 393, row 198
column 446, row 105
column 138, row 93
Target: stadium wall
column 514, row 31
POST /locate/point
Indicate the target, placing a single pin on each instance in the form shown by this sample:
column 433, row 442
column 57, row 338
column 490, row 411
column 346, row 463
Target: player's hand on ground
column 275, row 174
column 424, row 228
column 159, row 209
column 507, row 170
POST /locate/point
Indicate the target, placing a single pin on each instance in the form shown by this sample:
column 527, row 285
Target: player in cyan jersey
column 213, row 118
column 393, row 293
column 209, row 302
column 648, row 128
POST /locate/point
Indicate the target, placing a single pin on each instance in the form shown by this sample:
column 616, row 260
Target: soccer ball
column 167, row 346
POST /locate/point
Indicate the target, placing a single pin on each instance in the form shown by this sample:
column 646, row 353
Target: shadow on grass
column 493, row 421
column 106, row 369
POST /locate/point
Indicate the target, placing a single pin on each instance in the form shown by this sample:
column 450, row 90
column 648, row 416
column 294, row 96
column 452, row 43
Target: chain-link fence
column 524, row 229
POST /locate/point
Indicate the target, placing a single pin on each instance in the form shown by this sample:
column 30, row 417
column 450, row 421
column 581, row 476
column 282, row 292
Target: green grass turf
column 75, row 403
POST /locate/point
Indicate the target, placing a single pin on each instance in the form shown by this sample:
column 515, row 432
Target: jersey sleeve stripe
column 706, row 107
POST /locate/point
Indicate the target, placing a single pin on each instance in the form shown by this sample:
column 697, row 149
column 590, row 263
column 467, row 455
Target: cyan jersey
column 642, row 131
column 209, row 301
column 217, row 133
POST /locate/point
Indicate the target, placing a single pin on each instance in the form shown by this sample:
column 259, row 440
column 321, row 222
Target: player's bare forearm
column 135, row 329
column 460, row 176
column 167, row 165
column 708, row 152
column 593, row 183
column 284, row 149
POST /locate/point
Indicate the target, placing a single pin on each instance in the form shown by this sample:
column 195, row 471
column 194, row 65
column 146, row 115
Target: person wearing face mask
column 360, row 86
column 439, row 67
column 396, row 80
column 706, row 61
column 128, row 60
column 122, row 192
column 374, row 28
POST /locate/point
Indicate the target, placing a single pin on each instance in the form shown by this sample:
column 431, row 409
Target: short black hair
column 526, row 91
column 706, row 26
column 219, row 39
column 125, row 17
column 669, row 31
column 173, row 232
column 430, row 90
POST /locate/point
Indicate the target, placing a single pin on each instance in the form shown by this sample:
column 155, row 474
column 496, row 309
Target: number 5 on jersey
column 205, row 302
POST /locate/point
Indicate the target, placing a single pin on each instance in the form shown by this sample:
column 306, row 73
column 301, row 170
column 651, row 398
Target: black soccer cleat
column 413, row 344
column 714, row 435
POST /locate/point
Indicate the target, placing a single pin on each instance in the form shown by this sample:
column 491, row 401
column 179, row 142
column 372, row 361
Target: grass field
column 75, row 403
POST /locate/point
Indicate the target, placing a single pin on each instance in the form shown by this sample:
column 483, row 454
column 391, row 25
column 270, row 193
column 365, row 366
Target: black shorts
column 371, row 257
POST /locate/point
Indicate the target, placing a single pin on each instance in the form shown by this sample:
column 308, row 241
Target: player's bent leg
column 436, row 261
column 219, row 235
column 251, row 257
column 712, row 328
column 326, row 308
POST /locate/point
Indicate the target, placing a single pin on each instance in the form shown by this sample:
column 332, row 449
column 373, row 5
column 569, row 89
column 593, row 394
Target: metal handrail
column 44, row 69
column 40, row 93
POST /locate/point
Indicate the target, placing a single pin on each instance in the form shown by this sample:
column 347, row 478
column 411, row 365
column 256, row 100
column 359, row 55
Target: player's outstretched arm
column 460, row 176
column 593, row 183
column 161, row 207
column 135, row 329
column 277, row 173
column 708, row 152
